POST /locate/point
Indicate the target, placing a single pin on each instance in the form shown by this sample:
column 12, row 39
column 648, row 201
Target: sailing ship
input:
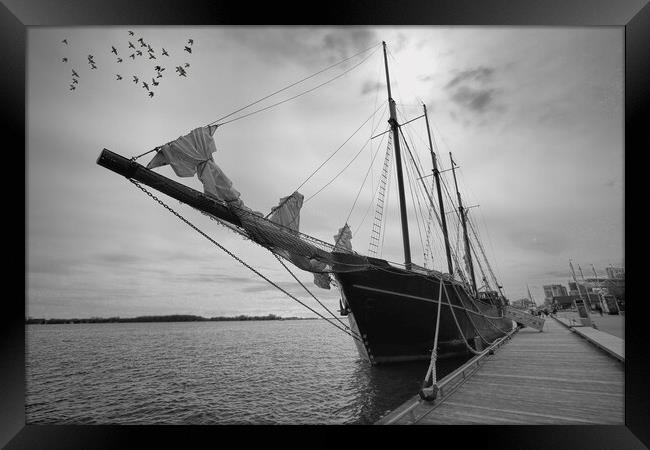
column 396, row 311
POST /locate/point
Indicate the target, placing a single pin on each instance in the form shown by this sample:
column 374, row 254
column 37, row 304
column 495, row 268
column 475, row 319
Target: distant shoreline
column 168, row 318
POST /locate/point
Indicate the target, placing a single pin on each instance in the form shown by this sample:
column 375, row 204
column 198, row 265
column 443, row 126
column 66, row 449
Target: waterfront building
column 554, row 290
column 563, row 302
column 615, row 273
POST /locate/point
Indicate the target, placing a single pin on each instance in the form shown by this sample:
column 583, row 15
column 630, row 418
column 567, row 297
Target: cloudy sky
column 533, row 116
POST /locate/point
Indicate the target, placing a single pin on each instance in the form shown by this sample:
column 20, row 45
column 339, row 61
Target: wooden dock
column 552, row 377
column 611, row 344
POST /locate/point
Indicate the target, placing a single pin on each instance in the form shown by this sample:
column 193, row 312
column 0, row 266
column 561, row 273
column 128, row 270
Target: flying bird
column 135, row 79
column 154, row 82
column 149, row 48
column 190, row 41
column 74, row 74
column 187, row 64
column 119, row 77
column 145, row 85
column 159, row 69
column 75, row 81
column 141, row 41
column 72, row 88
column 181, row 71
column 151, row 56
column 64, row 59
column 130, row 33
column 188, row 50
column 92, row 66
column 139, row 53
column 150, row 94
column 131, row 45
column 65, row 41
column 114, row 50
column 119, row 60
column 159, row 75
column 90, row 57
column 132, row 55
column 164, row 52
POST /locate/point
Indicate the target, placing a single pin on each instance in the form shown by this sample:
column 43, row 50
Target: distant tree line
column 169, row 318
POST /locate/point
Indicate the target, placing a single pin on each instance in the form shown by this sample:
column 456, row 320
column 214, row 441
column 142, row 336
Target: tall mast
column 530, row 296
column 585, row 285
column 468, row 253
column 398, row 163
column 436, row 175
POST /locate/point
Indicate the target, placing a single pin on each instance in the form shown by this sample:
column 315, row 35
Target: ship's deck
column 550, row 377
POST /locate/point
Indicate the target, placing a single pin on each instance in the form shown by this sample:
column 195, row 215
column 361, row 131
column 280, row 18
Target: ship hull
column 395, row 311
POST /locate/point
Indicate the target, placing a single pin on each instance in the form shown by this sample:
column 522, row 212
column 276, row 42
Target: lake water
column 250, row 372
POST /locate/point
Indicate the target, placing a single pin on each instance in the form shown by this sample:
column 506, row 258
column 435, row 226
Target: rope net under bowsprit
column 191, row 155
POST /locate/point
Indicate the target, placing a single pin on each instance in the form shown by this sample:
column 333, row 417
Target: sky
column 533, row 117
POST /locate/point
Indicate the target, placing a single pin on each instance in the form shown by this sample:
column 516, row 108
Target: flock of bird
column 137, row 52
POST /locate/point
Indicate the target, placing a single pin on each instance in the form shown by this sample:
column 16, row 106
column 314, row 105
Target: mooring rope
column 469, row 347
column 479, row 312
column 431, row 371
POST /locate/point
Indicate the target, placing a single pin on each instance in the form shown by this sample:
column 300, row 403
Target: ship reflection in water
column 383, row 388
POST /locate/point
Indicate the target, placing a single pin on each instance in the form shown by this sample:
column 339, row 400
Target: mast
column 462, row 211
column 601, row 296
column 586, row 317
column 530, row 295
column 585, row 285
column 436, row 175
column 398, row 163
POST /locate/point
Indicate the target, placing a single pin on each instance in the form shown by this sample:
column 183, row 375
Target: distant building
column 591, row 288
column 615, row 273
column 563, row 301
column 554, row 290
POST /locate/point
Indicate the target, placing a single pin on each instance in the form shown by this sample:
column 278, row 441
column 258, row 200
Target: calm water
column 266, row 372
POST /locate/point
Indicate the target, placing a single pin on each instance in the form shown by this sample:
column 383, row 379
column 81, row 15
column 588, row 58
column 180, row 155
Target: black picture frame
column 17, row 15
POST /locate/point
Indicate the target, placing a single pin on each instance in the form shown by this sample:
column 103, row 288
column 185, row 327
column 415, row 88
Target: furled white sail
column 192, row 154
column 343, row 240
column 287, row 213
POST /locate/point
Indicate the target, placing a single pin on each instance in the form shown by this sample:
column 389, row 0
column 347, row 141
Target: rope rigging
column 216, row 123
column 375, row 192
column 474, row 230
column 375, row 232
column 187, row 222
column 310, row 293
column 297, row 95
column 294, row 84
column 340, row 172
column 339, row 148
column 427, row 244
column 363, row 182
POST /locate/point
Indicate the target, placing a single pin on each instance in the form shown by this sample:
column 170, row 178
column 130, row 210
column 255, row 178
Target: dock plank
column 552, row 377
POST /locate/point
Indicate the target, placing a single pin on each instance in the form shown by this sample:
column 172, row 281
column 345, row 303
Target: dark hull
column 395, row 311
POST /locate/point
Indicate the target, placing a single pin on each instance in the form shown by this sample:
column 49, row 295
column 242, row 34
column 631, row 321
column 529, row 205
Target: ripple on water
column 266, row 372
